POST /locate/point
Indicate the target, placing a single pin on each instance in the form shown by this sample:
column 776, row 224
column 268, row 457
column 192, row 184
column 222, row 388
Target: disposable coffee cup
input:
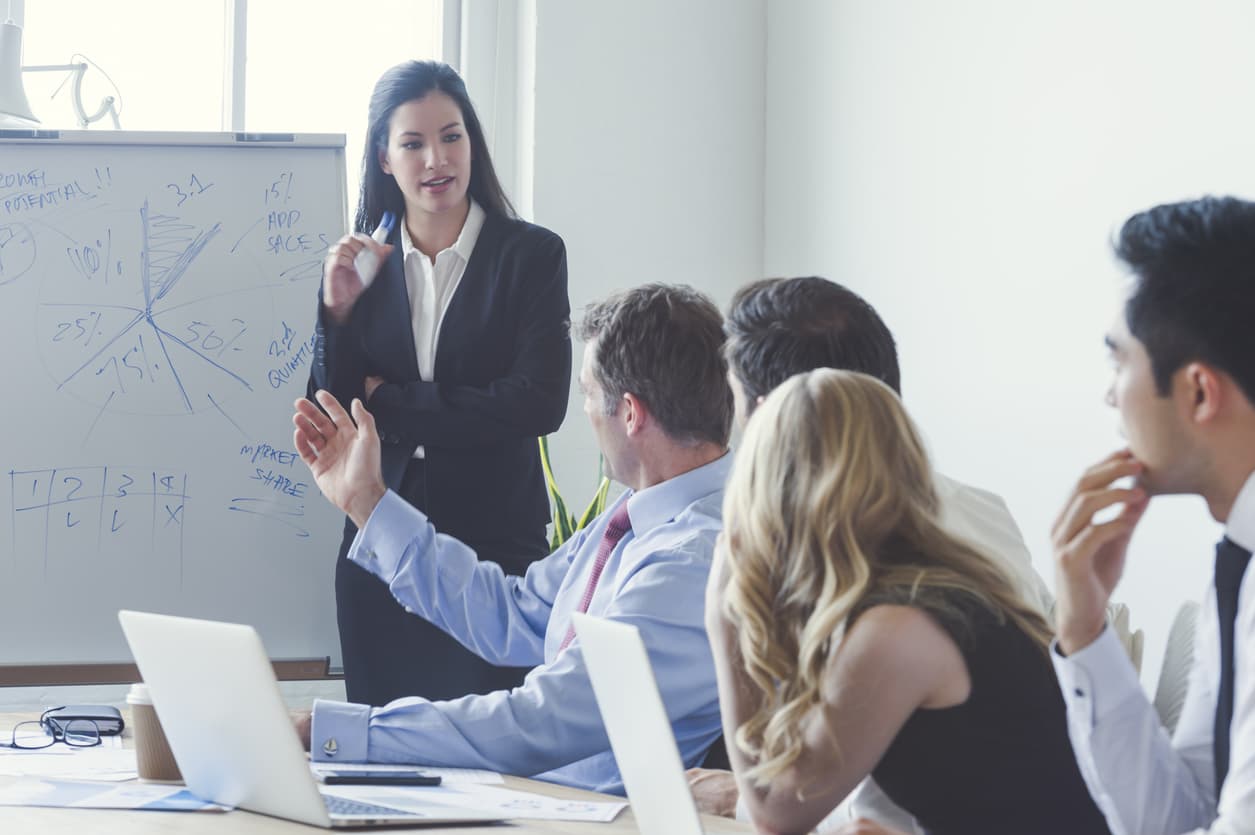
column 153, row 758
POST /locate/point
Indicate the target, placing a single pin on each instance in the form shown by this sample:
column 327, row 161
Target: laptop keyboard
column 343, row 806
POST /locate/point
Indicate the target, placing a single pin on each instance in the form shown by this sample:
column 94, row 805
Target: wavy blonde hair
column 831, row 508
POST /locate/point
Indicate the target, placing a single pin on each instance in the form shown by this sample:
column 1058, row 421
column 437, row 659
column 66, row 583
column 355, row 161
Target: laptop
column 636, row 722
column 215, row 692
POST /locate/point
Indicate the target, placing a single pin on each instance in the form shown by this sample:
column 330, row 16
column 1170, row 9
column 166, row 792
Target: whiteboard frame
column 106, row 671
column 180, row 138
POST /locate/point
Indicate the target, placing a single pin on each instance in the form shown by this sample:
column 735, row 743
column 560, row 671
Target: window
column 310, row 64
column 313, row 63
column 164, row 58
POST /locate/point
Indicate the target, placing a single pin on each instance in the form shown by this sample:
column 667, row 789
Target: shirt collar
column 463, row 246
column 661, row 503
column 1241, row 525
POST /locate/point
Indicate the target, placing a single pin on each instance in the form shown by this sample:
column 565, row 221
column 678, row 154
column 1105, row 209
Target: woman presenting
column 460, row 347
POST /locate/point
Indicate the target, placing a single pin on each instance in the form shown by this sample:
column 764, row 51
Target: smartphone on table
column 409, row 777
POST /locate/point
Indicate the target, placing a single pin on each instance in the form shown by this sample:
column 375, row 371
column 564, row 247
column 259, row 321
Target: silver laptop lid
column 215, row 692
column 636, row 722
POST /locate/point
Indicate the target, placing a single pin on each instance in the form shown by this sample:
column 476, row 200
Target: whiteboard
column 157, row 302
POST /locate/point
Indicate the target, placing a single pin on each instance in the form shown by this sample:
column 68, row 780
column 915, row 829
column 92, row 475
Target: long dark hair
column 407, row 82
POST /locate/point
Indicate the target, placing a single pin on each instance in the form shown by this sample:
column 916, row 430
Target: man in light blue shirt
column 655, row 391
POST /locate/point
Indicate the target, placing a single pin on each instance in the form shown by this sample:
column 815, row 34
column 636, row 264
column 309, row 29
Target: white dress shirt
column 1144, row 782
column 431, row 286
column 982, row 519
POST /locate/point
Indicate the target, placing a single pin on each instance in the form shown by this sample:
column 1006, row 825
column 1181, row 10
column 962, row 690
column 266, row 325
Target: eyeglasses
column 47, row 731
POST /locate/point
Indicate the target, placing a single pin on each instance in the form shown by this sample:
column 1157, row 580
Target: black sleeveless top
column 1001, row 762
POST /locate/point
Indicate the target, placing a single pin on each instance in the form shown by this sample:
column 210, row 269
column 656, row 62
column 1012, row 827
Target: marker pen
column 366, row 262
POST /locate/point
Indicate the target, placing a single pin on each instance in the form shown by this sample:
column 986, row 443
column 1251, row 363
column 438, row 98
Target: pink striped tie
column 618, row 525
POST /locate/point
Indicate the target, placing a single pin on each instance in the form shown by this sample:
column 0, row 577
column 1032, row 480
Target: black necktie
column 1231, row 560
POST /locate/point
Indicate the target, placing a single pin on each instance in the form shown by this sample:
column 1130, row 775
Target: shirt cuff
column 393, row 526
column 1095, row 680
column 339, row 732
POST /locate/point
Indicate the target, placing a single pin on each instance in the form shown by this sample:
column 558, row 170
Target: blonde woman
column 853, row 636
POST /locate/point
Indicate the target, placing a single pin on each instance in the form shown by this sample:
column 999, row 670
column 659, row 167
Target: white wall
column 963, row 165
column 648, row 151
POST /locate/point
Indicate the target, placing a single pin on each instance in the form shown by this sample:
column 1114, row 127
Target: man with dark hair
column 655, row 390
column 1184, row 385
column 780, row 327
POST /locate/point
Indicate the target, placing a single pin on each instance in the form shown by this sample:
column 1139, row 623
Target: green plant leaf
column 597, row 505
column 564, row 522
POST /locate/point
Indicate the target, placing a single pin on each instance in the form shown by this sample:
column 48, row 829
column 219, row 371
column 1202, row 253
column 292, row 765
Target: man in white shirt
column 780, row 327
column 1184, row 356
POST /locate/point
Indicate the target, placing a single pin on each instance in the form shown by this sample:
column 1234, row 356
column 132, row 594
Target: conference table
column 20, row 820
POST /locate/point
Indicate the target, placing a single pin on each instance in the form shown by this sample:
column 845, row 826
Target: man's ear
column 1204, row 389
column 635, row 414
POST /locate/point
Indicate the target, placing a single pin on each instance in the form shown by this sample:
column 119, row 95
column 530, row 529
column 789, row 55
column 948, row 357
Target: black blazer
column 503, row 375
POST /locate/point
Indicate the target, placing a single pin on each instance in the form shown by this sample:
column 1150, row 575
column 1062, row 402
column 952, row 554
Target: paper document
column 66, row 794
column 105, row 762
column 512, row 803
column 494, row 801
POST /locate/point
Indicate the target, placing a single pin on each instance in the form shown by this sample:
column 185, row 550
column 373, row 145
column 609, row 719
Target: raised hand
column 341, row 285
column 1089, row 556
column 343, row 458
